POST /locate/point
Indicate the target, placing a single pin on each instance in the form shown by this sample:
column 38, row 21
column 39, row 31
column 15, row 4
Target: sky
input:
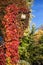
column 37, row 8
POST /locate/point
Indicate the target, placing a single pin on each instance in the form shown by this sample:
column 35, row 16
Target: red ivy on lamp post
column 11, row 33
column 13, row 30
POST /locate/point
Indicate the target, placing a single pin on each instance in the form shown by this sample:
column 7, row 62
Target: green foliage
column 33, row 30
column 29, row 0
column 30, row 51
column 41, row 40
column 23, row 62
column 25, row 48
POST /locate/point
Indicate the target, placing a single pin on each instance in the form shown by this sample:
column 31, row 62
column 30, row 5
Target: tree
column 30, row 51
